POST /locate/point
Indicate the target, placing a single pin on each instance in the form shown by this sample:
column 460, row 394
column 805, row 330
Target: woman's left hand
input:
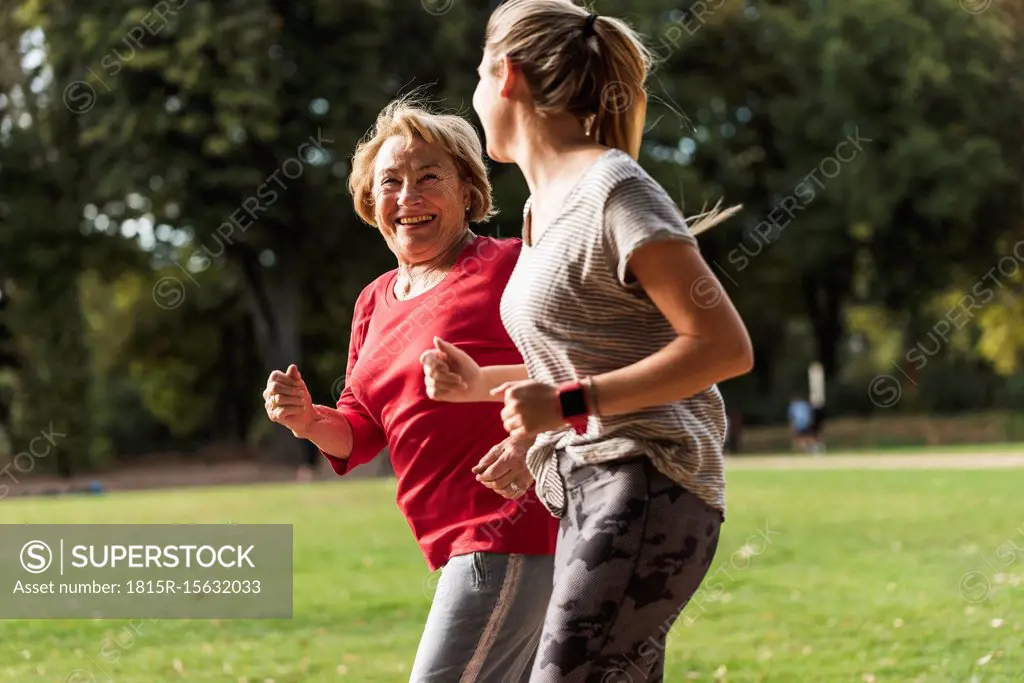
column 503, row 469
column 531, row 407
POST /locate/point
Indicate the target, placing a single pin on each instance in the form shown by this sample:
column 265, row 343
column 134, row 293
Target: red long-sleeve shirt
column 434, row 445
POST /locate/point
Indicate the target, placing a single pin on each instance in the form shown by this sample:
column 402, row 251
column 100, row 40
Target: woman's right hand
column 450, row 374
column 288, row 402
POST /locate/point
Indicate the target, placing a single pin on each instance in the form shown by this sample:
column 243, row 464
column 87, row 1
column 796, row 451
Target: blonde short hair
column 451, row 133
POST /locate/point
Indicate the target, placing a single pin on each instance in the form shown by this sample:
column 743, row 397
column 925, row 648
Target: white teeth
column 411, row 220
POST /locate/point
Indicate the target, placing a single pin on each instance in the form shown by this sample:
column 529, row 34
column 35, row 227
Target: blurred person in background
column 621, row 359
column 734, row 433
column 816, row 382
column 420, row 179
column 801, row 423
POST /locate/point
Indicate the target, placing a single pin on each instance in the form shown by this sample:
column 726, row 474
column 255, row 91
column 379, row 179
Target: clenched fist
column 288, row 402
column 531, row 407
column 450, row 374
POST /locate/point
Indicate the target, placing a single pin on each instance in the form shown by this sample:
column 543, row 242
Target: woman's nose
column 409, row 194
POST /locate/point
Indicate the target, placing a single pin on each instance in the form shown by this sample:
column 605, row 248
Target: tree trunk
column 272, row 296
column 54, row 379
column 824, row 299
column 7, row 361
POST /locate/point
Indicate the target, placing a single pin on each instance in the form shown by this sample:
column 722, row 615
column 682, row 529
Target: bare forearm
column 683, row 368
column 331, row 432
column 495, row 376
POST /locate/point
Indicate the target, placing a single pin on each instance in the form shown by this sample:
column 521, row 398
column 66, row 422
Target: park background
column 877, row 148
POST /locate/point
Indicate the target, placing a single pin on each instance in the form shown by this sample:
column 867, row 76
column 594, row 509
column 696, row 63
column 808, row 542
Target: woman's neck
column 416, row 278
column 552, row 156
column 545, row 149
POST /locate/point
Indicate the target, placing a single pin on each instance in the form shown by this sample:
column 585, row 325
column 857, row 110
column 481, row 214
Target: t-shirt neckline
column 531, row 243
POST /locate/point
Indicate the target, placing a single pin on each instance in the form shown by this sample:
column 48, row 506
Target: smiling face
column 420, row 199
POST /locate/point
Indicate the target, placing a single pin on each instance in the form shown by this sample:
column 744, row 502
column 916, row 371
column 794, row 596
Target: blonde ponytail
column 593, row 67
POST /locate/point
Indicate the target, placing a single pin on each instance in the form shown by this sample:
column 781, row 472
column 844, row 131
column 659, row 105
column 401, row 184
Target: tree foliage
column 174, row 222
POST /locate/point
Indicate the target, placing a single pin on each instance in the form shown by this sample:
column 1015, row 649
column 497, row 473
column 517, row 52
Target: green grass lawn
column 982, row 449
column 946, row 449
column 861, row 579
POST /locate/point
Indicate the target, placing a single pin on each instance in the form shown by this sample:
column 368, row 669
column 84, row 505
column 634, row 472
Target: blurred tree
column 845, row 129
column 42, row 254
column 174, row 223
column 1002, row 321
column 231, row 122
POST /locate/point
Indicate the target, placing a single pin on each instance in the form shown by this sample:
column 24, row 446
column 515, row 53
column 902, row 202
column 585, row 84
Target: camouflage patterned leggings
column 632, row 550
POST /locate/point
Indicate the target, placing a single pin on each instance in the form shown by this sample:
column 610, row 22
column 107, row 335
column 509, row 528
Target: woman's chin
column 498, row 155
column 422, row 243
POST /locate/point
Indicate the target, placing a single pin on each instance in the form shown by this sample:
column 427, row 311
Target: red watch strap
column 579, row 424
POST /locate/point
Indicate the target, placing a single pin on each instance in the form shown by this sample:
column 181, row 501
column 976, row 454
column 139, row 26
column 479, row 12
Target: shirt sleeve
column 639, row 211
column 368, row 438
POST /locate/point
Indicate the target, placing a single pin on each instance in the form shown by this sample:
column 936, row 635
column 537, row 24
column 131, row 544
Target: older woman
column 463, row 486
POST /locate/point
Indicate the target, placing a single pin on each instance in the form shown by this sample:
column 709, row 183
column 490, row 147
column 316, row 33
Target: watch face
column 573, row 402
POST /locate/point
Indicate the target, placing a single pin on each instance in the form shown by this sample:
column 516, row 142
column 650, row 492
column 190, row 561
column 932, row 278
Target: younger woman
column 624, row 332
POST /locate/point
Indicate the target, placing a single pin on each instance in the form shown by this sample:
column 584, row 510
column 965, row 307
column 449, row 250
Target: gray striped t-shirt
column 572, row 310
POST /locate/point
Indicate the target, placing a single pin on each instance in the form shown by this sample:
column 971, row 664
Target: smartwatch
column 572, row 398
